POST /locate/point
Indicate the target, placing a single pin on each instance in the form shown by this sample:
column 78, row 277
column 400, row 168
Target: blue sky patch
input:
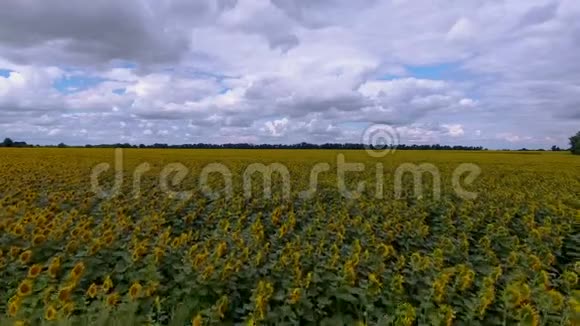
column 72, row 84
column 120, row 91
column 5, row 72
column 440, row 71
column 124, row 64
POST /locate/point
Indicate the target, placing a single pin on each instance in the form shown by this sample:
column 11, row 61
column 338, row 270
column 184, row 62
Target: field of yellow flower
column 146, row 256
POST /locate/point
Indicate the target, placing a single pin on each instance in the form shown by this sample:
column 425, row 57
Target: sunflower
column 25, row 257
column 34, row 271
column 158, row 252
column 14, row 306
column 295, row 296
column 150, row 290
column 46, row 294
column 18, row 230
column 92, row 291
column 222, row 306
column 94, row 249
column 135, row 290
column 14, row 251
column 109, row 239
column 113, row 299
column 50, row 313
column 19, row 323
column 71, row 247
column 25, row 288
column 529, row 315
column 107, row 284
column 54, row 267
column 64, row 294
column 196, row 321
column 448, row 315
column 68, row 308
column 38, row 239
column 77, row 271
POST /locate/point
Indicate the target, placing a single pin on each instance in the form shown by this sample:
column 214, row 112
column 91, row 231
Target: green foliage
column 509, row 256
column 7, row 143
column 575, row 144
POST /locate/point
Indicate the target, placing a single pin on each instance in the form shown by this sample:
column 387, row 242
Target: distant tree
column 61, row 145
column 7, row 142
column 555, row 148
column 575, row 143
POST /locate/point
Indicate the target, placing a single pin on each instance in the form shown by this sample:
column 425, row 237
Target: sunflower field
column 147, row 257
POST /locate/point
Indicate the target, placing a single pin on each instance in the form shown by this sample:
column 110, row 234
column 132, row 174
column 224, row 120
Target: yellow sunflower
column 92, row 291
column 18, row 230
column 38, row 239
column 34, row 271
column 14, row 306
column 107, row 284
column 135, row 290
column 14, row 251
column 54, row 267
column 50, row 313
column 25, row 288
column 196, row 321
column 113, row 299
column 78, row 270
column 68, row 308
column 64, row 294
column 25, row 257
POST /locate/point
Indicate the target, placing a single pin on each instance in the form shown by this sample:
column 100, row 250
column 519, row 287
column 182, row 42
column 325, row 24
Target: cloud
column 284, row 71
column 454, row 130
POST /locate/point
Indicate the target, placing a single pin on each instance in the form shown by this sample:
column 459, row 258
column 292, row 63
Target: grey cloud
column 539, row 14
column 97, row 32
column 303, row 68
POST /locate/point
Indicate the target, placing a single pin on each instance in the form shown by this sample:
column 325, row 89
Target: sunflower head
column 54, row 267
column 135, row 290
column 46, row 294
column 92, row 291
column 14, row 251
column 107, row 284
column 38, row 239
column 150, row 289
column 113, row 299
column 570, row 278
column 295, row 295
column 197, row 320
column 18, row 230
column 109, row 239
column 64, row 294
column 77, row 271
column 50, row 313
column 25, row 257
column 223, row 306
column 529, row 315
column 25, row 288
column 14, row 306
column 68, row 308
column 34, row 271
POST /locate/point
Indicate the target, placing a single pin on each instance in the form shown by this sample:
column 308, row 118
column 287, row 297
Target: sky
column 492, row 73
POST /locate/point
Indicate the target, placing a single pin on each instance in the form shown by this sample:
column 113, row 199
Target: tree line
column 574, row 142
